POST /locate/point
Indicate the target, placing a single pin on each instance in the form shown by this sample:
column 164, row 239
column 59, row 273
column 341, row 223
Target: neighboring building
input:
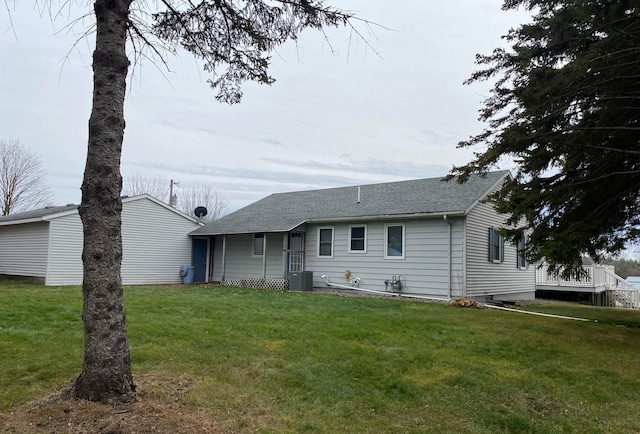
column 46, row 244
column 437, row 238
column 634, row 281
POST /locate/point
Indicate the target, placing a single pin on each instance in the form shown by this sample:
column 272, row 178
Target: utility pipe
column 326, row 279
column 337, row 285
column 540, row 313
column 424, row 297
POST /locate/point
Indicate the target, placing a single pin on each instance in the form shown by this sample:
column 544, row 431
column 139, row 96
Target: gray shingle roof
column 37, row 213
column 282, row 212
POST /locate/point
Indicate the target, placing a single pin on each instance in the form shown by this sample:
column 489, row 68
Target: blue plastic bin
column 187, row 272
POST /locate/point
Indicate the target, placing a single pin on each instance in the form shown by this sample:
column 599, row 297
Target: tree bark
column 106, row 370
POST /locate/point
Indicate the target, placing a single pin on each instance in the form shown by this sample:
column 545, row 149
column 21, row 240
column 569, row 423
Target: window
column 521, row 261
column 258, row 244
column 496, row 246
column 357, row 239
column 394, row 241
column 325, row 242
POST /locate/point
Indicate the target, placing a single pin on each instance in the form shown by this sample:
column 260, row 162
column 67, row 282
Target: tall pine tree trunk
column 106, row 370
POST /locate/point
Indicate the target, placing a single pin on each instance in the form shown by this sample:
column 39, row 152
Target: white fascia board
column 423, row 215
column 19, row 222
column 162, row 204
column 60, row 214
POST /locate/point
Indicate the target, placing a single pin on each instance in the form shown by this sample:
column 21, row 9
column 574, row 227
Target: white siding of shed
column 154, row 243
column 23, row 249
column 425, row 268
column 501, row 280
column 65, row 253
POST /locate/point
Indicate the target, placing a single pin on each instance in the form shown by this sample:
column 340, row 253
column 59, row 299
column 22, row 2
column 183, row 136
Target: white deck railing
column 597, row 276
column 598, row 279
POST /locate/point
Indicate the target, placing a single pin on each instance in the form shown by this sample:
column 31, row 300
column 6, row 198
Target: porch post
column 285, row 245
column 224, row 257
column 264, row 256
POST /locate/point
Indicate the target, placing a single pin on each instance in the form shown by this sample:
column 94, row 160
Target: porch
column 600, row 282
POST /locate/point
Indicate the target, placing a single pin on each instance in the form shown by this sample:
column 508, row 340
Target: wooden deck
column 601, row 281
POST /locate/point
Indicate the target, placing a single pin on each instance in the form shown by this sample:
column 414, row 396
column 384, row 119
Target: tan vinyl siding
column 65, row 254
column 23, row 249
column 484, row 277
column 154, row 242
column 424, row 268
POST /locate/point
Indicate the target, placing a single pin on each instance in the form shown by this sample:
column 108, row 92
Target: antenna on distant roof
column 200, row 211
column 173, row 199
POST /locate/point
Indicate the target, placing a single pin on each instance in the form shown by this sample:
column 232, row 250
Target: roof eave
column 270, row 231
column 411, row 216
column 21, row 221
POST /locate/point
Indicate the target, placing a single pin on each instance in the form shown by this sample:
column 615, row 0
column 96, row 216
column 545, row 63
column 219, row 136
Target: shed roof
column 282, row 212
column 36, row 214
column 52, row 212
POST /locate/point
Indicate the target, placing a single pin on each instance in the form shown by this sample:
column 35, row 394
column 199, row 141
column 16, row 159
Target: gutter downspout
column 444, row 217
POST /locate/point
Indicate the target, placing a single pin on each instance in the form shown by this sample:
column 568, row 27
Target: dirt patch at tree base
column 159, row 409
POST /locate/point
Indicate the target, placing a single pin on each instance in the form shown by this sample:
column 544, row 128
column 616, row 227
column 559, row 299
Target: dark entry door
column 199, row 259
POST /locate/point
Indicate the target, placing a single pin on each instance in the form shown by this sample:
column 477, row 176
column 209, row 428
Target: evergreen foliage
column 565, row 107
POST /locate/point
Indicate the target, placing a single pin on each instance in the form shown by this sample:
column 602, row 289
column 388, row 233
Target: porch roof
column 283, row 212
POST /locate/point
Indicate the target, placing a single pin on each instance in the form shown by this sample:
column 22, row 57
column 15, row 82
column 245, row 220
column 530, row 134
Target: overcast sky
column 331, row 119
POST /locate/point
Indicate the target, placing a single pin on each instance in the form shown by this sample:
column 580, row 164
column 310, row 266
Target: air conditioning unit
column 301, row 281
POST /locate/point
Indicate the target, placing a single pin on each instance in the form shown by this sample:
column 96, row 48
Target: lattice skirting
column 259, row 283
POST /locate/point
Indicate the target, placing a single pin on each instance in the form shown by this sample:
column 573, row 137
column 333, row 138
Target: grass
column 301, row 362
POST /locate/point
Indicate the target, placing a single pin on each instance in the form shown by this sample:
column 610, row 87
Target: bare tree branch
column 22, row 179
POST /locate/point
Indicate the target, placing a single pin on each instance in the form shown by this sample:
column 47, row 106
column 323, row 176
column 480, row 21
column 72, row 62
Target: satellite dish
column 200, row 211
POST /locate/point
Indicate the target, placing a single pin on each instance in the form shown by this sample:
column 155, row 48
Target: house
column 425, row 237
column 46, row 244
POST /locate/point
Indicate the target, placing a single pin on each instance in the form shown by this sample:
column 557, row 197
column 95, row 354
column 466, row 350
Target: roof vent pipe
column 358, row 194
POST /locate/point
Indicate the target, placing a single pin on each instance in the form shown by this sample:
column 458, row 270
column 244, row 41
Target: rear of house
column 423, row 237
column 46, row 244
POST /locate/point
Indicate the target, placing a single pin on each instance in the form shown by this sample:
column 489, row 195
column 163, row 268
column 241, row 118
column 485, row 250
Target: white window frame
column 333, row 233
column 253, row 244
column 364, row 239
column 386, row 240
column 521, row 261
column 496, row 239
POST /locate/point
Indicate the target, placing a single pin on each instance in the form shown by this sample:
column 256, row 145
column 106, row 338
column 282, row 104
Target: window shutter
column 490, row 244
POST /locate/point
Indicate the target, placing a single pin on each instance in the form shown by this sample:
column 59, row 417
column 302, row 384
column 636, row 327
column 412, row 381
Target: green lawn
column 308, row 362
